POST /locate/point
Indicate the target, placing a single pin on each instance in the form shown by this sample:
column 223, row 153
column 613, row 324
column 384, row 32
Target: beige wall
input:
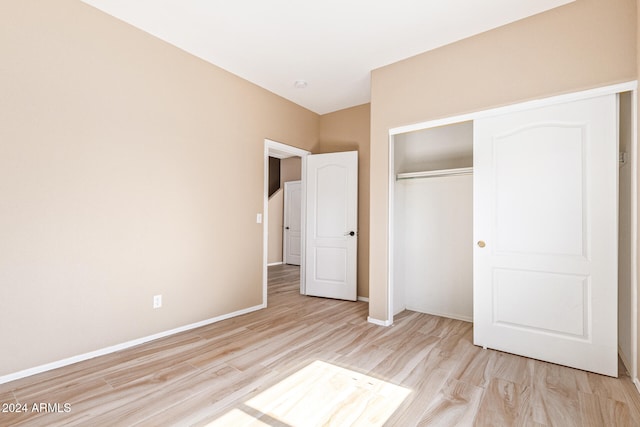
column 116, row 152
column 290, row 170
column 582, row 45
column 349, row 130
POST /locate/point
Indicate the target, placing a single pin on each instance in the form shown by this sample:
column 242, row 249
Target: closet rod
column 435, row 173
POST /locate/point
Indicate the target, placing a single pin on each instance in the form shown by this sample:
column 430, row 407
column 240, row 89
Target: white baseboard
column 112, row 349
column 379, row 322
column 365, row 299
column 441, row 314
column 275, row 263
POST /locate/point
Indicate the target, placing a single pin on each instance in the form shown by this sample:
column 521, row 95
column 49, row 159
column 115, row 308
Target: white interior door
column 332, row 225
column 545, row 231
column 292, row 222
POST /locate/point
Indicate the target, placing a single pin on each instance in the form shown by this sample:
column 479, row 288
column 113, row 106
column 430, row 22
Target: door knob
column 286, row 228
column 481, row 243
column 350, row 233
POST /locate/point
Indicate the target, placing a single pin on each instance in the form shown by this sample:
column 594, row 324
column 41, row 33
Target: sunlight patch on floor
column 320, row 394
column 237, row 417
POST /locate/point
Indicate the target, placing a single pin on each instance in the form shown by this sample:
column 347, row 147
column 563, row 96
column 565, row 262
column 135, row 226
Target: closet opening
column 433, row 221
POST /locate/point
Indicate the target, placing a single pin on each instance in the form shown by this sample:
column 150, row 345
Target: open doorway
column 292, row 166
column 284, row 213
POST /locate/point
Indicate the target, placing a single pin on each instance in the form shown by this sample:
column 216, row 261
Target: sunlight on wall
column 320, row 394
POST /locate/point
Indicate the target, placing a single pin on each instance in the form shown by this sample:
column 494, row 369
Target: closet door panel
column 540, row 169
column 545, row 223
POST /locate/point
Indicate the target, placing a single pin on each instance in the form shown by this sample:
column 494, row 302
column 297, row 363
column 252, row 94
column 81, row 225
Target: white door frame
column 280, row 151
column 633, row 152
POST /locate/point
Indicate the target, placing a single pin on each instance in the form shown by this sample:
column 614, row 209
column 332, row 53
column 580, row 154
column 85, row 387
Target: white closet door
column 545, row 223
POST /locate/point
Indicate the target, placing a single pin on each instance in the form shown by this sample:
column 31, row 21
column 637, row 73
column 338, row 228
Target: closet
column 520, row 220
column 433, row 221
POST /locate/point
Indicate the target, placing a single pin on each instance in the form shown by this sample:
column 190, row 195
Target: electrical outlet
column 157, row 301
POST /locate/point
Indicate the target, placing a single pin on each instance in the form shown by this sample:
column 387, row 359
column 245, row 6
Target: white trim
column 303, row 228
column 521, row 106
column 390, row 230
column 633, row 149
column 265, row 222
column 379, row 322
column 363, row 299
column 123, row 346
column 637, row 384
column 281, row 151
column 271, row 264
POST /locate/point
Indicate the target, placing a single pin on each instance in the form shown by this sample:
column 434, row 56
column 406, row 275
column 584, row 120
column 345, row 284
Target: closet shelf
column 434, row 173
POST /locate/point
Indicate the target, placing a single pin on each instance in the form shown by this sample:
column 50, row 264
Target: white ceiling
column 331, row 44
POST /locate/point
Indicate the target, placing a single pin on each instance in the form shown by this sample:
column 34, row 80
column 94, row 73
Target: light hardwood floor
column 310, row 361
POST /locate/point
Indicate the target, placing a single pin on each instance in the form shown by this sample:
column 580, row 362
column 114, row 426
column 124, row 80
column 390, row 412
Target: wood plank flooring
column 308, row 361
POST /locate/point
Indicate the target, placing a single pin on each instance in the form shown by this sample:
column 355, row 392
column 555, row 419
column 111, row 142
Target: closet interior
column 433, row 221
